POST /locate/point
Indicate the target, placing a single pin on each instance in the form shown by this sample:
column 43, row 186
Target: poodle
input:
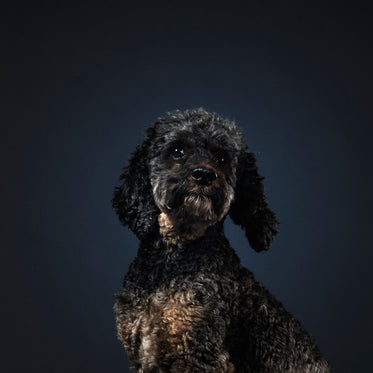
column 187, row 304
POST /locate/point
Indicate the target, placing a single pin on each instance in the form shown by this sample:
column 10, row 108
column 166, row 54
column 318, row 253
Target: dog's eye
column 177, row 153
column 221, row 159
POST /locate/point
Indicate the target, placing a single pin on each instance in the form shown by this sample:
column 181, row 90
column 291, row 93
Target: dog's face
column 193, row 175
column 191, row 170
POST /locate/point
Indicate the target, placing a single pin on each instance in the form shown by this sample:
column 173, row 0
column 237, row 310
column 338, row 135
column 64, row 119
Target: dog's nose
column 203, row 175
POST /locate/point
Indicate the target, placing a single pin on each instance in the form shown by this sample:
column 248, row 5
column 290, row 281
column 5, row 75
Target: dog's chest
column 162, row 323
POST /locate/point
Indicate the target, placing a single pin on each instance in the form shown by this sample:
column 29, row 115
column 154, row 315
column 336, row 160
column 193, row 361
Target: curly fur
column 187, row 304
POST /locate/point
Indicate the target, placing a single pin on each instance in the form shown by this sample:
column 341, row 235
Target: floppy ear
column 250, row 208
column 133, row 199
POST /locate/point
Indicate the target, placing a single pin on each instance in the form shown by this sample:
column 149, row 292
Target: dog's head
column 191, row 170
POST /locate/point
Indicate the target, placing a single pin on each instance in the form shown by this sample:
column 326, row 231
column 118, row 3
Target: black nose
column 203, row 175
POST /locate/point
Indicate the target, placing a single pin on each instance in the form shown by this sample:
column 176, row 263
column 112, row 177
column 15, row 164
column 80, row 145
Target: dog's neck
column 208, row 253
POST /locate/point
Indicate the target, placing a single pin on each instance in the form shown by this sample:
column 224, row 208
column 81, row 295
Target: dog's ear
column 133, row 199
column 250, row 208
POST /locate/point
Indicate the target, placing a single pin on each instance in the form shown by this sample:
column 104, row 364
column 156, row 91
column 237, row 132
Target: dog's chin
column 188, row 219
column 199, row 206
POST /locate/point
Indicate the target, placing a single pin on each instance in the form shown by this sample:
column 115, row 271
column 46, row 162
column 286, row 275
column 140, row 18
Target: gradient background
column 79, row 85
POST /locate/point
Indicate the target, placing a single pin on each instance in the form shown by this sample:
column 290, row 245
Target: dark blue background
column 78, row 86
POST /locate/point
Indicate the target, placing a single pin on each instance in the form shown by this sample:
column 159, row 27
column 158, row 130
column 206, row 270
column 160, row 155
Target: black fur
column 250, row 209
column 133, row 201
column 187, row 304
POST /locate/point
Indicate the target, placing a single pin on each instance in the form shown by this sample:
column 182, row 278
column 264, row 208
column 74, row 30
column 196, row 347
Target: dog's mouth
column 197, row 205
column 187, row 209
column 193, row 197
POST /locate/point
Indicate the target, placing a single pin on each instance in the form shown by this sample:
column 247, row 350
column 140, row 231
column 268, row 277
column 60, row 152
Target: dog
column 187, row 304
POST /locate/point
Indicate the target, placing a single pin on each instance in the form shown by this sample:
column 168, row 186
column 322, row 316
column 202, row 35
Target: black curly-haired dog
column 187, row 304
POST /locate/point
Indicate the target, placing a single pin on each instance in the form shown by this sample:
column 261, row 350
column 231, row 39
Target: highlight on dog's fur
column 187, row 304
